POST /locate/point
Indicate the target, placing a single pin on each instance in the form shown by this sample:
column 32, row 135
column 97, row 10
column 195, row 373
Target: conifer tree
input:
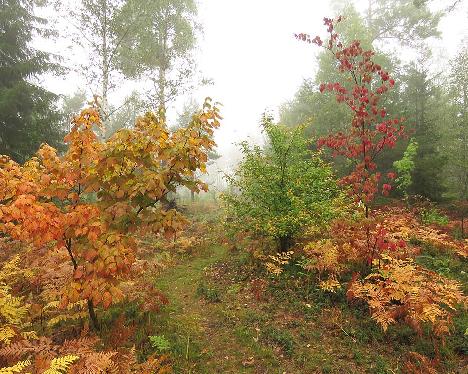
column 28, row 116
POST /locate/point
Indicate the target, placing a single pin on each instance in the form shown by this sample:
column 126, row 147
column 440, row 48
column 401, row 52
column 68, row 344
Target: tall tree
column 406, row 21
column 28, row 116
column 98, row 32
column 160, row 51
column 126, row 114
column 422, row 100
column 455, row 135
column 457, row 129
column 308, row 105
column 71, row 106
column 319, row 112
column 184, row 117
column 400, row 20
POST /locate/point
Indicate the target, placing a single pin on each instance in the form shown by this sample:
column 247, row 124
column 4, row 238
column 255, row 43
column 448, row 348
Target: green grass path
column 200, row 343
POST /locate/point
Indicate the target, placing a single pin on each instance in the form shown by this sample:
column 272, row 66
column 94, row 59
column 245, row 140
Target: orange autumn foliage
column 400, row 290
column 92, row 201
column 396, row 290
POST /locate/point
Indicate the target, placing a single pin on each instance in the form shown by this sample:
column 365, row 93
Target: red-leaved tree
column 397, row 289
column 371, row 130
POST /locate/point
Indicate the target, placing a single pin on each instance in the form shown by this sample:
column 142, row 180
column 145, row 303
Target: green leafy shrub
column 405, row 168
column 432, row 215
column 160, row 343
column 282, row 188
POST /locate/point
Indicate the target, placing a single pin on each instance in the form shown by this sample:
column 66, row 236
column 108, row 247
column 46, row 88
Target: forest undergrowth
column 229, row 314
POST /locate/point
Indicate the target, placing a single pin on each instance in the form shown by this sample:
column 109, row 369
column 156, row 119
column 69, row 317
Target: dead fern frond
column 60, row 365
column 97, row 363
column 18, row 368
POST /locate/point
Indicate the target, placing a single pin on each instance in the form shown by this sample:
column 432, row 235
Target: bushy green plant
column 160, row 343
column 282, row 188
column 432, row 215
column 405, row 167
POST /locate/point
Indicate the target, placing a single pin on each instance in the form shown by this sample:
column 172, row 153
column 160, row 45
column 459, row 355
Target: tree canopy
column 28, row 114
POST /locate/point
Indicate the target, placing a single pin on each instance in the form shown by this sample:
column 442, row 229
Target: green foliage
column 160, row 343
column 185, row 114
column 406, row 21
column 405, row 167
column 96, row 31
column 432, row 215
column 160, row 47
column 28, row 116
column 125, row 116
column 71, row 106
column 455, row 128
column 422, row 103
column 279, row 190
column 419, row 102
column 280, row 337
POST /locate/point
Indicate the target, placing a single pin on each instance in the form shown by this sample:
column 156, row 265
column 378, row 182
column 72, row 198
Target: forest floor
column 227, row 315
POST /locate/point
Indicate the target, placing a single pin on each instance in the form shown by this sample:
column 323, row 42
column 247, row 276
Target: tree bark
column 92, row 315
column 105, row 65
column 284, row 243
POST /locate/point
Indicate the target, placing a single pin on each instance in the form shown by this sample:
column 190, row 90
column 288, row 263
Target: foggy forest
column 214, row 186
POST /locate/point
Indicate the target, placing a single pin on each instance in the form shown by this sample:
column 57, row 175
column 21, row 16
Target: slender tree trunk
column 105, row 65
column 369, row 13
column 92, row 315
column 163, row 68
column 284, row 243
column 464, row 155
column 161, row 95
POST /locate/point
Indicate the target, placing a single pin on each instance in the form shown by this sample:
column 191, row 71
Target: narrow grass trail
column 215, row 325
column 200, row 341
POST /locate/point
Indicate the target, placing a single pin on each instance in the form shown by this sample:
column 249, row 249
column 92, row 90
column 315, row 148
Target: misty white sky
column 249, row 51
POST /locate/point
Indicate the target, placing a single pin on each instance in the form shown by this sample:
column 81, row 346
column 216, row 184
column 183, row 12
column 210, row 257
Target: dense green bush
column 282, row 188
column 432, row 215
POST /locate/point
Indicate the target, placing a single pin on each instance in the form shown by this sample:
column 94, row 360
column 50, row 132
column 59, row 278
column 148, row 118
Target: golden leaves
column 397, row 290
column 402, row 290
column 323, row 256
column 17, row 368
column 275, row 263
column 331, row 285
column 60, row 365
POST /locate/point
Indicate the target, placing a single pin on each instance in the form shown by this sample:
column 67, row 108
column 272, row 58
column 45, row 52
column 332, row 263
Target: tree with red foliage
column 371, row 130
column 369, row 133
column 395, row 288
